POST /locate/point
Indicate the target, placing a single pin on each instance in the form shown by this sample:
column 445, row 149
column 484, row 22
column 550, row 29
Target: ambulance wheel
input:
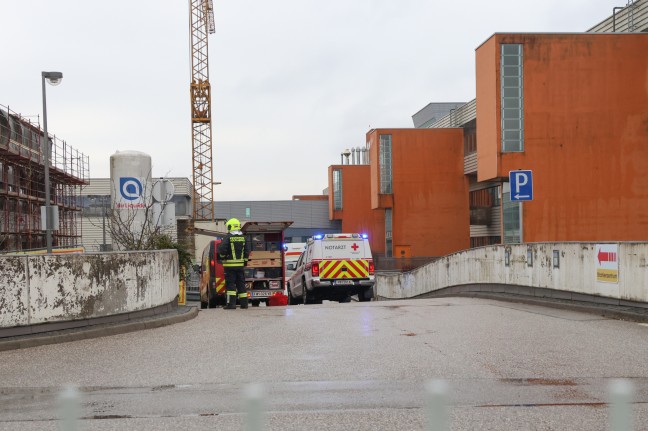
column 366, row 295
column 291, row 298
column 312, row 298
column 305, row 298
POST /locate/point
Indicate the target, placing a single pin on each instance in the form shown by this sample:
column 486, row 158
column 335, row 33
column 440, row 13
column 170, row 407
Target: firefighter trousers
column 235, row 286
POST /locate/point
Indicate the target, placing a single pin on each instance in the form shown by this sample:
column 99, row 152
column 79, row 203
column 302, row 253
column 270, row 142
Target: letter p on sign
column 521, row 185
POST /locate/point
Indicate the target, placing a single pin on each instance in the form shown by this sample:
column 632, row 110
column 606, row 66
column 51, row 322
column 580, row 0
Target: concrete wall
column 577, row 271
column 57, row 288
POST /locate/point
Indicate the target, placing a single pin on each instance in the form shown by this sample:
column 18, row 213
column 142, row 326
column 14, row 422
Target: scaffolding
column 22, row 185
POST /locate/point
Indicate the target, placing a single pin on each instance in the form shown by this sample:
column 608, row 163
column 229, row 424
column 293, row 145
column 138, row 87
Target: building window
column 337, row 189
column 95, row 205
column 511, row 212
column 11, row 180
column 182, row 205
column 385, row 164
column 388, row 233
column 484, row 197
column 470, row 137
column 495, row 195
column 512, row 98
column 483, row 241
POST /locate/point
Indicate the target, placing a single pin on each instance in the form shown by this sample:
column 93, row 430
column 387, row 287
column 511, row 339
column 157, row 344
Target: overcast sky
column 294, row 82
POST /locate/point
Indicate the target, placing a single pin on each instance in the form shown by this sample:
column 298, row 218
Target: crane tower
column 202, row 24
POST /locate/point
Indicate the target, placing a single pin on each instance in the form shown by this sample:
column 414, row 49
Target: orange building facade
column 412, row 198
column 581, row 128
column 572, row 108
column 350, row 202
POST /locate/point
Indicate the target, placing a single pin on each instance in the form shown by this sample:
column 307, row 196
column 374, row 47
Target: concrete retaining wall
column 56, row 288
column 576, row 271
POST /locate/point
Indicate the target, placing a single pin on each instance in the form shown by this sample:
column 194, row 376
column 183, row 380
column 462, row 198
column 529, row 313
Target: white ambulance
column 292, row 251
column 333, row 267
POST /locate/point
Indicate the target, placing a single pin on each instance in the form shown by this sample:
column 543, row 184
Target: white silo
column 130, row 190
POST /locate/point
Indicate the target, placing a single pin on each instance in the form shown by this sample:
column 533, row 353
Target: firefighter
column 233, row 252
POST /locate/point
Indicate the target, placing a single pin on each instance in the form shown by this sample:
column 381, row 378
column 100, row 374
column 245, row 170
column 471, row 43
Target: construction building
column 572, row 108
column 22, row 185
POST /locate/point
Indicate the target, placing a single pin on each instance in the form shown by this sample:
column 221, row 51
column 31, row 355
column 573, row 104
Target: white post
column 254, row 396
column 69, row 400
column 436, row 391
column 621, row 391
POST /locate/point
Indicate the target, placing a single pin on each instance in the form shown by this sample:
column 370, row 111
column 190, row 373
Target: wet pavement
column 354, row 366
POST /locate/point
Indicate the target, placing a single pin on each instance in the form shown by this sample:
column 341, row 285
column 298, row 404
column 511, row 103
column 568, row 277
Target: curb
column 609, row 311
column 65, row 336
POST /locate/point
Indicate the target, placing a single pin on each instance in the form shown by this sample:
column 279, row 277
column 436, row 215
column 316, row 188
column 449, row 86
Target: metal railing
column 192, row 285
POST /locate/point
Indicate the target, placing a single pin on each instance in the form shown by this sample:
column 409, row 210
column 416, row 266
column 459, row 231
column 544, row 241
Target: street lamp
column 53, row 78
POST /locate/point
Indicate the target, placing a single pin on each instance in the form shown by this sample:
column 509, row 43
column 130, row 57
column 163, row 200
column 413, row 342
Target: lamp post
column 53, row 78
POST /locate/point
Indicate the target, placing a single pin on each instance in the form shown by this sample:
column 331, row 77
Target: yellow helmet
column 233, row 224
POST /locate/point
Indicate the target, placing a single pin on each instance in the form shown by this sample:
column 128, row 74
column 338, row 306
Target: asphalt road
column 354, row 366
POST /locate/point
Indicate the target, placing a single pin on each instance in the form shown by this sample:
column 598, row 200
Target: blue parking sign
column 521, row 185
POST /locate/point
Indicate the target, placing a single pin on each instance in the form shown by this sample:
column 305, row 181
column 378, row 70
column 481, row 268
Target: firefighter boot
column 231, row 303
column 244, row 302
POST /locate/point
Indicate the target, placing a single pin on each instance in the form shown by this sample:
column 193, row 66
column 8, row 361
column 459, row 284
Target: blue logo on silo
column 130, row 188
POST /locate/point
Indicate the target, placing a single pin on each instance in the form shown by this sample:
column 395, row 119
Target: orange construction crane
column 202, row 24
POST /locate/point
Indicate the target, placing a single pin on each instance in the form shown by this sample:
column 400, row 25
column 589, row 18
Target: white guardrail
column 617, row 270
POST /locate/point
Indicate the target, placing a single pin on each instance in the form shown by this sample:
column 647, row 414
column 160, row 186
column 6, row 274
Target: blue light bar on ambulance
column 364, row 235
column 317, row 236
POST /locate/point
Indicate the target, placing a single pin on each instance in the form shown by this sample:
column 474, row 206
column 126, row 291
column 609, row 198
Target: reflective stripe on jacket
column 233, row 250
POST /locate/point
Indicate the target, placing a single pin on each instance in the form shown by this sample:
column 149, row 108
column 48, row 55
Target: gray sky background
column 294, row 82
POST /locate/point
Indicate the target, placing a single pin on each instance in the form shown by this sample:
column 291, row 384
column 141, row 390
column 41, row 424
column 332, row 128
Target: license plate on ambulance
column 342, row 282
column 260, row 294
